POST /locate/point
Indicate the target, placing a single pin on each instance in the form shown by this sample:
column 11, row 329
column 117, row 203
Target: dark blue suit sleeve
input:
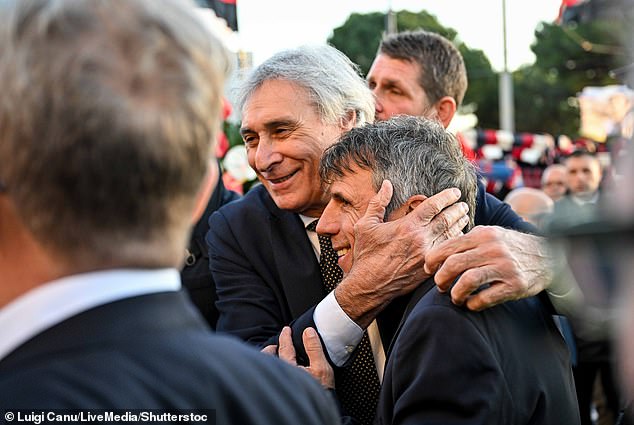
column 251, row 305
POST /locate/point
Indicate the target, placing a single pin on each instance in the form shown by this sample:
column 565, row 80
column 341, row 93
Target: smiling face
column 350, row 196
column 396, row 87
column 285, row 138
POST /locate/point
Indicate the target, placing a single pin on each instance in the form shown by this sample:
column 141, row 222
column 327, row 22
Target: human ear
column 445, row 109
column 348, row 122
column 413, row 202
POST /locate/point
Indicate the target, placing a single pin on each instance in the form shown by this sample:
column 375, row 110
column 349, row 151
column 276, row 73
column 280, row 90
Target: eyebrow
column 272, row 125
column 339, row 197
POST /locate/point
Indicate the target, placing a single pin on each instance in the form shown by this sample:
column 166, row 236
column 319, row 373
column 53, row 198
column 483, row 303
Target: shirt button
column 350, row 348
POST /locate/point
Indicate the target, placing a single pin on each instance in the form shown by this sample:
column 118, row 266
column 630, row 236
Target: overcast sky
column 267, row 26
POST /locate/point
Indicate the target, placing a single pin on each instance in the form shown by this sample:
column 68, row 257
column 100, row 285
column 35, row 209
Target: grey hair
column 417, row 155
column 108, row 114
column 330, row 78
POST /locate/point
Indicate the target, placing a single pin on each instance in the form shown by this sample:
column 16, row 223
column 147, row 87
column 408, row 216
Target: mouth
column 282, row 179
column 343, row 251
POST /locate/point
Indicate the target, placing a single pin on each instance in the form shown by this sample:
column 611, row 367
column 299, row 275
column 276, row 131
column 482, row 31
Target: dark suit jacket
column 196, row 277
column 507, row 365
column 267, row 275
column 155, row 351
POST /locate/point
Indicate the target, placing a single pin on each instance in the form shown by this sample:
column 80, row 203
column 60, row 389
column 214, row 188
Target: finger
column 450, row 222
column 376, row 207
column 438, row 254
column 319, row 366
column 432, row 206
column 313, row 347
column 495, row 294
column 470, row 280
column 286, row 350
column 270, row 349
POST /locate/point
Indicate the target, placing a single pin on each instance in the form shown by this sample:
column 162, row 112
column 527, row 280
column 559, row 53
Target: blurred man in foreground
column 107, row 119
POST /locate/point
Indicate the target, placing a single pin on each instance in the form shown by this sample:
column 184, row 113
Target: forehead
column 385, row 66
column 582, row 162
column 277, row 100
column 556, row 173
column 356, row 183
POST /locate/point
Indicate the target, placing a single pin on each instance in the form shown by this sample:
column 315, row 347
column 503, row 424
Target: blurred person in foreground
column 107, row 119
column 601, row 256
column 554, row 181
column 595, row 356
column 505, row 365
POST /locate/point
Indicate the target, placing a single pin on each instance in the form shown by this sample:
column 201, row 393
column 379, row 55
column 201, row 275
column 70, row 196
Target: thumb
column 270, row 349
column 378, row 203
column 313, row 347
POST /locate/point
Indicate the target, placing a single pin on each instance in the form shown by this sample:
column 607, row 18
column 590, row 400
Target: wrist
column 360, row 305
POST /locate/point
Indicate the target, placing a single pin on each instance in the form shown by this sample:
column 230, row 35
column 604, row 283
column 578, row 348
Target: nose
column 378, row 106
column 328, row 222
column 266, row 156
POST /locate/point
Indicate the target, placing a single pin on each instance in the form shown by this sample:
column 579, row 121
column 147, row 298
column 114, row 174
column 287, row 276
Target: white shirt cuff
column 339, row 333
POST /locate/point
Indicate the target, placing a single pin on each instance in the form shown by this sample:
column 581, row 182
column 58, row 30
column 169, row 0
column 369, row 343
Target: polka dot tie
column 357, row 385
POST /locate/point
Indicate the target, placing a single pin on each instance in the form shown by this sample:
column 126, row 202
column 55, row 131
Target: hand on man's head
column 389, row 257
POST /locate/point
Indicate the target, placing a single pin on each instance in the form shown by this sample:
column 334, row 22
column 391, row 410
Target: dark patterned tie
column 358, row 384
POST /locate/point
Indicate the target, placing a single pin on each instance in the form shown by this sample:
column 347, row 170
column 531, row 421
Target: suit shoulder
column 206, row 370
column 253, row 202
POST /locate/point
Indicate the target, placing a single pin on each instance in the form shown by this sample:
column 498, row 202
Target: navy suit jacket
column 155, row 352
column 267, row 274
column 195, row 275
column 507, row 365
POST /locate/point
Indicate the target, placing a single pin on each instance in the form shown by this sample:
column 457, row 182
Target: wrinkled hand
column 318, row 366
column 389, row 257
column 515, row 265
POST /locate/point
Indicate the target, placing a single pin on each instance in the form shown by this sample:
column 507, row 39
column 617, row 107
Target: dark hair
column 442, row 69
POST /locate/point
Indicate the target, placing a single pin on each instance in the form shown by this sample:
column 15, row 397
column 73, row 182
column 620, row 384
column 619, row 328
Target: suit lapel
column 295, row 260
column 419, row 293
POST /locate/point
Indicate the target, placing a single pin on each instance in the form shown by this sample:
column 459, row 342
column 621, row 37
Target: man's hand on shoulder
column 514, row 264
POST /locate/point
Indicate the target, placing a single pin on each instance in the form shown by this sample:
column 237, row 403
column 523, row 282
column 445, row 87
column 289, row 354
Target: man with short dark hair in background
column 595, row 356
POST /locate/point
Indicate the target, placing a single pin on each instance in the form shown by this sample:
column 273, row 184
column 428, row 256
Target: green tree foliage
column 359, row 39
column 568, row 58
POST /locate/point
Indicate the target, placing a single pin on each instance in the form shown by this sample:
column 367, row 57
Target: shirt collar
column 56, row 301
